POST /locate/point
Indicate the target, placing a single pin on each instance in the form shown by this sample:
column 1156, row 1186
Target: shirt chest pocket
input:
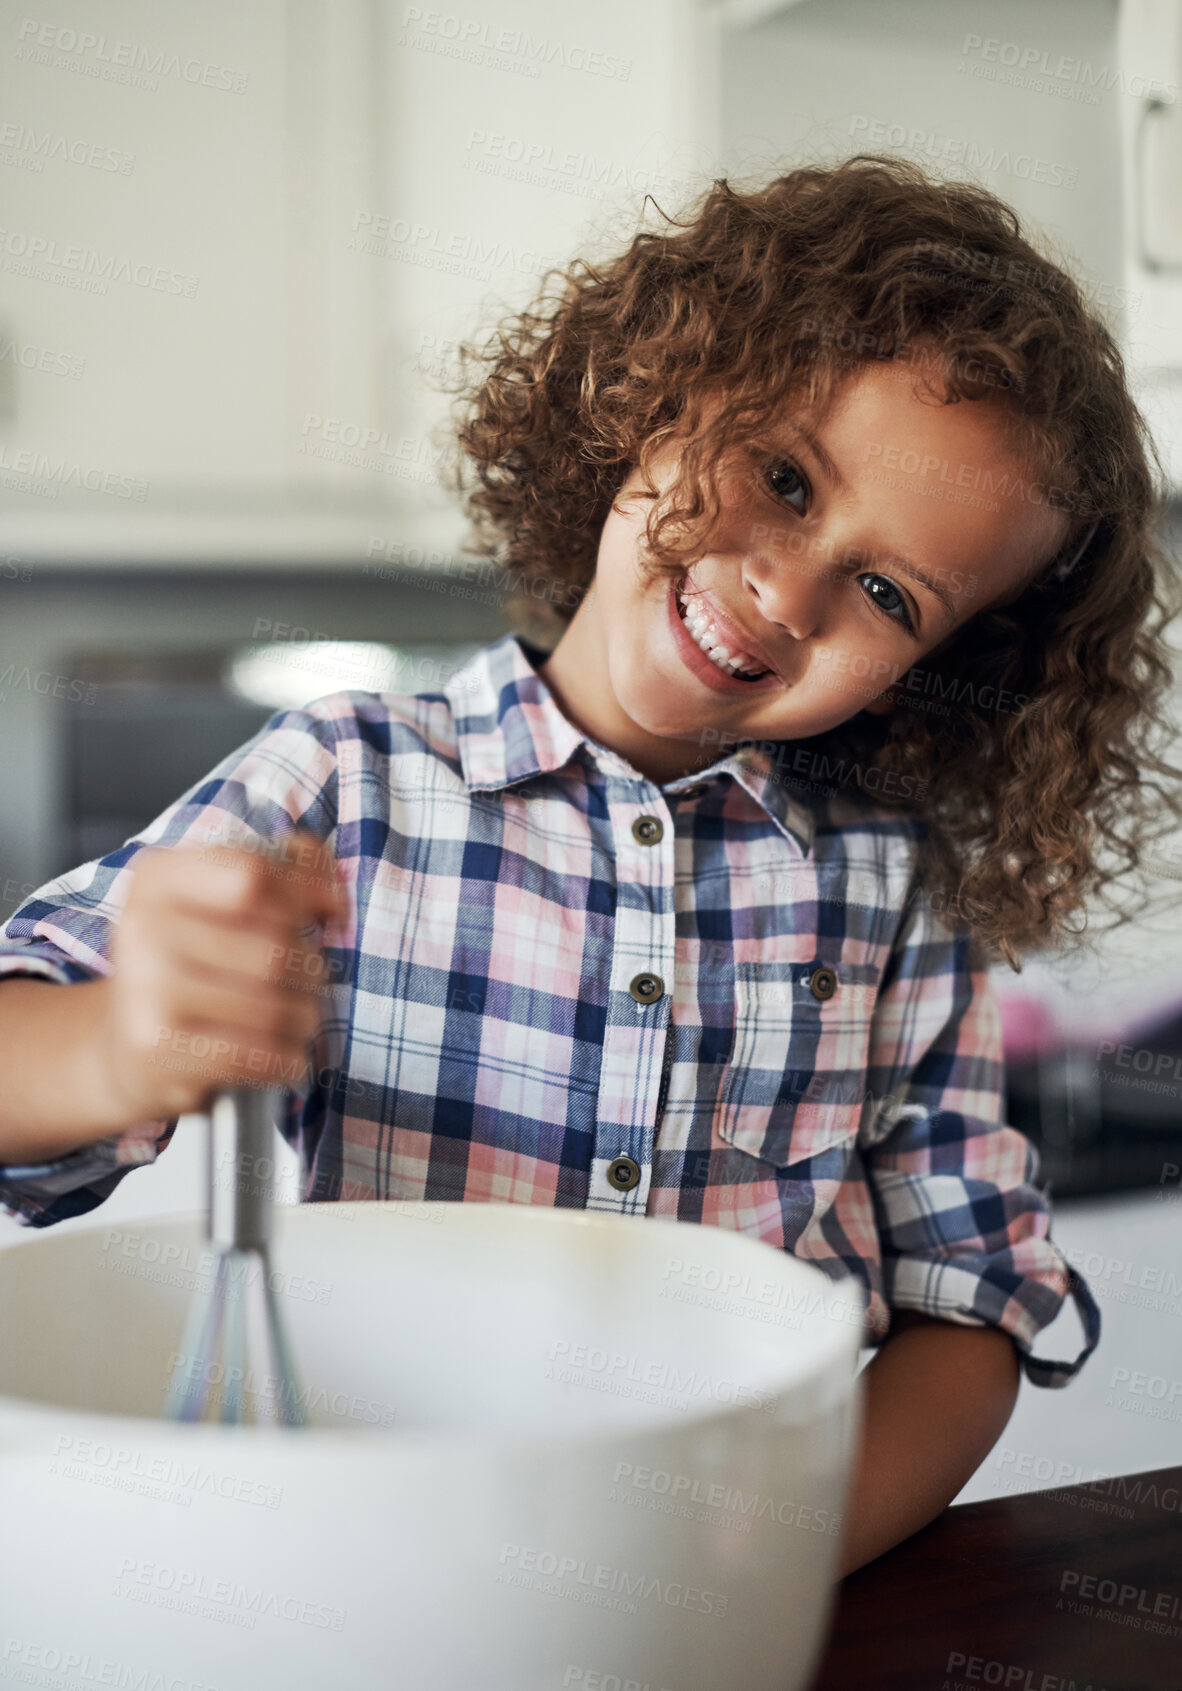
column 796, row 1082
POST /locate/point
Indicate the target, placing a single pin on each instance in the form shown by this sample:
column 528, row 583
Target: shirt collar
column 509, row 727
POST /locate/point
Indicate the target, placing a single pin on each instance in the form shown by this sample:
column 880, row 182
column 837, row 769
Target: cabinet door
column 239, row 240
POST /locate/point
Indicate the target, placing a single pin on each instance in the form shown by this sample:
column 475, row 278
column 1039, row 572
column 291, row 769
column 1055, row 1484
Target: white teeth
column 705, row 636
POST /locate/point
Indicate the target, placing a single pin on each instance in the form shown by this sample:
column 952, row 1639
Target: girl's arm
column 937, row 1399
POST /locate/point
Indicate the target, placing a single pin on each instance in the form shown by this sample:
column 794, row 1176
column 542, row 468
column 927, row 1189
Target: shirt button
column 646, row 989
column 823, row 983
column 691, row 792
column 647, row 830
column 623, row 1173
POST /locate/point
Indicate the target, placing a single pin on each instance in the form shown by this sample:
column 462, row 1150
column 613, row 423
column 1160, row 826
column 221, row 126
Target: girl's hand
column 213, row 983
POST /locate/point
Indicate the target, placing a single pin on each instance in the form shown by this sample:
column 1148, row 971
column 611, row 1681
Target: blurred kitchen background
column 239, row 245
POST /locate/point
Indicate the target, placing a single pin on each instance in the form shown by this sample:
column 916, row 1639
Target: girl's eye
column 889, row 600
column 786, row 482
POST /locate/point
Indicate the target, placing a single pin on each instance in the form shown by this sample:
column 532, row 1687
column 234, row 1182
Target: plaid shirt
column 721, row 998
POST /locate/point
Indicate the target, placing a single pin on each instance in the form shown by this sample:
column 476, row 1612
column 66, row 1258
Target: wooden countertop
column 1028, row 1593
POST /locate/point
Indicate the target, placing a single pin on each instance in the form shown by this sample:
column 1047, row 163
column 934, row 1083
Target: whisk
column 241, row 1131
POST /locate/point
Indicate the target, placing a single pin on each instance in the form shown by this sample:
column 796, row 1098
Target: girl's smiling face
column 847, row 549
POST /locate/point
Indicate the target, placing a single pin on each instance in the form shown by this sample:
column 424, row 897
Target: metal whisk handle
column 242, row 1126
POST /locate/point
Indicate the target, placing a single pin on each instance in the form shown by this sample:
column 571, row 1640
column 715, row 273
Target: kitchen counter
column 1033, row 1593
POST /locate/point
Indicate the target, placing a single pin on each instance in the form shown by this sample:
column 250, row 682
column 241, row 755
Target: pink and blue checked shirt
column 559, row 977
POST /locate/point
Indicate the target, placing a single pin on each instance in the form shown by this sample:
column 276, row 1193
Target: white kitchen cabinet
column 239, row 244
column 1070, row 110
column 1022, row 99
column 237, row 241
column 1151, row 32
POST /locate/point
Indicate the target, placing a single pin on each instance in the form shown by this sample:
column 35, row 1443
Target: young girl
column 839, row 505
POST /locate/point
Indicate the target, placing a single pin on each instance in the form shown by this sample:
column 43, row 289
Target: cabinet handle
column 1144, row 257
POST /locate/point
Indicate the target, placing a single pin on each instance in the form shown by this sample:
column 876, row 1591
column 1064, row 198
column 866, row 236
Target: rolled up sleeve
column 964, row 1227
column 283, row 778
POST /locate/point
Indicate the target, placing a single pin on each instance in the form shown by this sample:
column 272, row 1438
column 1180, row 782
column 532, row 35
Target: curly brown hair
column 776, row 297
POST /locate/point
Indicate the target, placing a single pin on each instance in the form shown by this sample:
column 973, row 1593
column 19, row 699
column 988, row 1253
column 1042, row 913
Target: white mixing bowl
column 547, row 1449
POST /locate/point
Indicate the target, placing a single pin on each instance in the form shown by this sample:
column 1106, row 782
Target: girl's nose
column 788, row 588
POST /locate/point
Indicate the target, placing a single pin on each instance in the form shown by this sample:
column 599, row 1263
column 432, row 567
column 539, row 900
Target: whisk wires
column 231, row 1323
